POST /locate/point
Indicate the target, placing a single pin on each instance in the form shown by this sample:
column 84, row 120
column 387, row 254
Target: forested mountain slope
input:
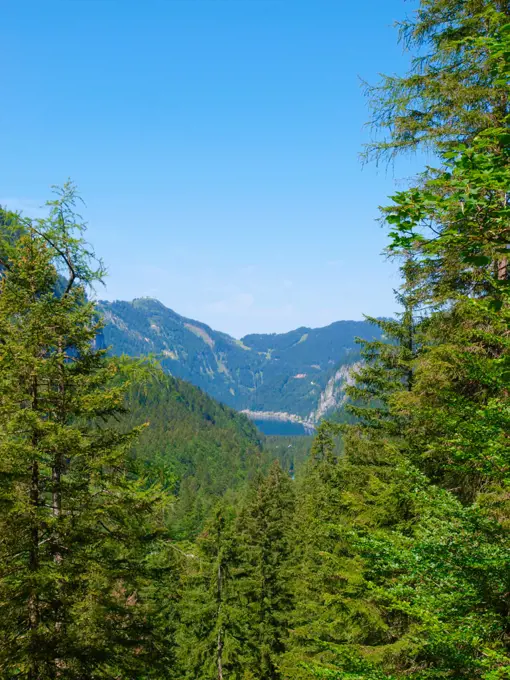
column 300, row 372
column 197, row 447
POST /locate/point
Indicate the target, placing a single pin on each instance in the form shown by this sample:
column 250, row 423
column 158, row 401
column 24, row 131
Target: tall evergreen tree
column 386, row 370
column 427, row 597
column 398, row 580
column 213, row 622
column 452, row 91
column 76, row 523
column 456, row 224
column 316, row 568
column 264, row 533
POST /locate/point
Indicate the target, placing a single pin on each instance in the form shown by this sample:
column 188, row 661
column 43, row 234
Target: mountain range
column 299, row 375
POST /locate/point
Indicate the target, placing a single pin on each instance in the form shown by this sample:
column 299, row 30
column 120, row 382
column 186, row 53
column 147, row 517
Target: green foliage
column 457, row 415
column 199, row 449
column 454, row 89
column 291, row 452
column 264, row 534
column 77, row 526
column 236, row 598
column 212, row 635
column 405, row 582
column 456, row 222
column 386, row 370
column 403, row 541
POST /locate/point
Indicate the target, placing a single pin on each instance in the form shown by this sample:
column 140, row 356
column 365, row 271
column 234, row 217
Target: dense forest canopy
column 149, row 532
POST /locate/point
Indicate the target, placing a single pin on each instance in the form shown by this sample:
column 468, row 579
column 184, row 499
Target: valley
column 297, row 376
column 180, row 503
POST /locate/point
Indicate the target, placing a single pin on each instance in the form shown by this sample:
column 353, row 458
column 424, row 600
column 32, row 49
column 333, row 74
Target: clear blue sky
column 215, row 143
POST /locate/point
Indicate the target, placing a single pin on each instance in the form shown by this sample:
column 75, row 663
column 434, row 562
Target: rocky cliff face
column 333, row 397
column 300, row 373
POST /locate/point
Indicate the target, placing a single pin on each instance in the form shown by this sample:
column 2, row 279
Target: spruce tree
column 396, row 579
column 456, row 223
column 386, row 370
column 77, row 524
column 314, row 564
column 452, row 91
column 212, row 620
column 264, row 534
column 412, row 582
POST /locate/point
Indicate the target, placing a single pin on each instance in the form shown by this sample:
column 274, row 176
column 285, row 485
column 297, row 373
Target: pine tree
column 76, row 523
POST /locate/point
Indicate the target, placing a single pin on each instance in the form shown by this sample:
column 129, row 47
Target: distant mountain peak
column 299, row 372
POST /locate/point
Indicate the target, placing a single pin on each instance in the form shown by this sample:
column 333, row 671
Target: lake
column 281, row 427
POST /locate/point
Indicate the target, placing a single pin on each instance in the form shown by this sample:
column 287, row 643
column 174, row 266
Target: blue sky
column 215, row 143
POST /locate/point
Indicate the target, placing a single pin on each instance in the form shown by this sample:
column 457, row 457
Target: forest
column 148, row 532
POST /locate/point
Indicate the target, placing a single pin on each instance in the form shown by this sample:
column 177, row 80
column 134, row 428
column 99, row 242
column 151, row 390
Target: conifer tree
column 314, row 564
column 264, row 534
column 452, row 91
column 386, row 370
column 414, row 585
column 456, row 223
column 401, row 581
column 394, row 577
column 212, row 622
column 76, row 523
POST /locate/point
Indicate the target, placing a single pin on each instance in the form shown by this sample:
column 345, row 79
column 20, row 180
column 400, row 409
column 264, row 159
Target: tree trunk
column 219, row 647
column 56, row 508
column 33, row 601
column 502, row 269
column 33, row 559
column 219, row 655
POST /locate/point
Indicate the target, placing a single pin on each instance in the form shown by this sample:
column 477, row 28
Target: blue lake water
column 281, row 428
